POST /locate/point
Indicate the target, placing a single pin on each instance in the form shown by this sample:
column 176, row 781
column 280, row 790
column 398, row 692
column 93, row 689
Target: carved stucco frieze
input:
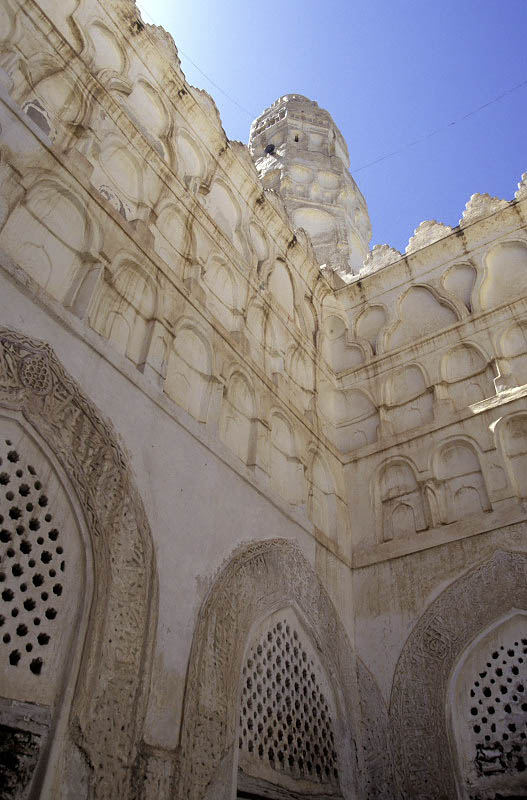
column 110, row 697
column 376, row 764
column 423, row 762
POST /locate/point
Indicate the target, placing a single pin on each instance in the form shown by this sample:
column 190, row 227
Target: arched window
column 75, row 603
column 286, row 742
column 43, row 593
column 488, row 711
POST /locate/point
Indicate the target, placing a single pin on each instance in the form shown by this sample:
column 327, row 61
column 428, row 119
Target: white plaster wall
column 198, row 505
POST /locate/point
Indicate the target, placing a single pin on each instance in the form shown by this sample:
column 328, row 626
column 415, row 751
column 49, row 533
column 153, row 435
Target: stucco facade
column 263, row 492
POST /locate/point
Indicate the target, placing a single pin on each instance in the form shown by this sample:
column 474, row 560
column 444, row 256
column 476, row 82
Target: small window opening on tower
column 269, row 149
column 296, row 137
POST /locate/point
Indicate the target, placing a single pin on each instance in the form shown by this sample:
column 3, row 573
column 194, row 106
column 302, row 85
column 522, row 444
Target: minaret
column 300, row 152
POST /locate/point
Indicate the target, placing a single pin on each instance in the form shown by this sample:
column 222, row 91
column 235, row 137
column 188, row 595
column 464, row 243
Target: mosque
column 263, row 487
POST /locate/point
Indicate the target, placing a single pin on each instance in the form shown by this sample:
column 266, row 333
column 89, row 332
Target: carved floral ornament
column 419, row 732
column 113, row 678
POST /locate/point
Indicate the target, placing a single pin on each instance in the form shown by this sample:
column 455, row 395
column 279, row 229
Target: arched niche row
column 266, row 592
column 427, row 695
column 78, row 586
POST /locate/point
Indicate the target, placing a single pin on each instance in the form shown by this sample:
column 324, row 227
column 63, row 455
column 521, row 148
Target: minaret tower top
column 300, row 153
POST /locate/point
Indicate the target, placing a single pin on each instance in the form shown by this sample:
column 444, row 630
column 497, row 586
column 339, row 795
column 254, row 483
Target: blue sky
column 389, row 72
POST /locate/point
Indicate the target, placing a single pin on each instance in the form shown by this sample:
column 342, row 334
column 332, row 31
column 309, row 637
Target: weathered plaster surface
column 243, row 417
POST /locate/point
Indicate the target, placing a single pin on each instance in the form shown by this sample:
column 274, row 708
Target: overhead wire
column 250, row 114
column 379, row 159
column 442, row 128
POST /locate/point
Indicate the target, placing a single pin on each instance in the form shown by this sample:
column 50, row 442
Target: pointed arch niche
column 436, row 670
column 266, row 593
column 78, row 590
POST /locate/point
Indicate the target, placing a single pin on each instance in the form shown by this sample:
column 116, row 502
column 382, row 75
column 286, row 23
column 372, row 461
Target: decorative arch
column 224, row 208
column 285, row 468
column 400, row 500
column 124, row 308
column 370, row 323
column 105, row 718
column 301, row 368
column 57, row 95
column 504, row 276
column 260, row 579
column 458, row 469
column 466, row 370
column 171, row 234
column 409, row 398
column 256, row 323
column 227, row 294
column 191, row 163
column 322, row 504
column 511, row 435
column 308, row 317
column 258, row 244
column 511, row 346
column 281, row 286
column 422, row 310
column 357, row 418
column 118, row 176
column 52, row 236
column 146, row 106
column 338, row 348
column 238, row 413
column 423, row 761
column 104, row 52
column 460, row 280
column 189, row 368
